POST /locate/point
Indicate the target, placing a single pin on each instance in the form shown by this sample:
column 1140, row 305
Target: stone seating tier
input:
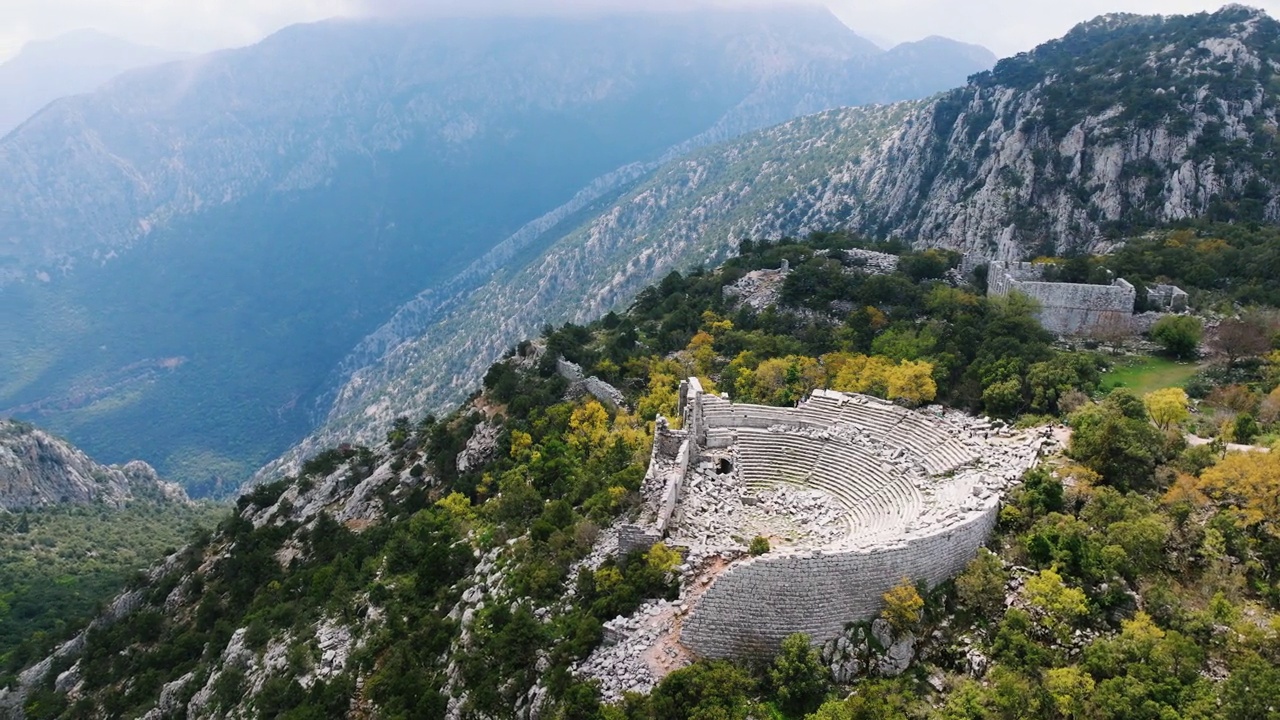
column 880, row 502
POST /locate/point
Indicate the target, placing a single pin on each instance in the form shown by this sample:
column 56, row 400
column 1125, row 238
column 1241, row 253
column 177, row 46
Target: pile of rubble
column 630, row 658
column 875, row 263
column 758, row 289
column 717, row 512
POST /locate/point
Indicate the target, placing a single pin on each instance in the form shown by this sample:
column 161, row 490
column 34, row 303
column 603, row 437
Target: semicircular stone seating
column 880, row 499
column 777, row 445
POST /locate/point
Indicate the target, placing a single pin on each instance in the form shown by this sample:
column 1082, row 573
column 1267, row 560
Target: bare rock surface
column 38, row 469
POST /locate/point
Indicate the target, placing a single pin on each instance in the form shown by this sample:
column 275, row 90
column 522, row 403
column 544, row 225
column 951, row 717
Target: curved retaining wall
column 755, row 604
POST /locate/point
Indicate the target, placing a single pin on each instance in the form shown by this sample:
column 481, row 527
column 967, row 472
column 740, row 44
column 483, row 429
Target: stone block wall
column 691, row 396
column 594, row 386
column 1170, row 298
column 1065, row 308
column 632, row 537
column 758, row 602
column 875, row 263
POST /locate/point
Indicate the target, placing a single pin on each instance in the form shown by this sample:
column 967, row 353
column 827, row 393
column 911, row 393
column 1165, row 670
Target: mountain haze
column 192, row 250
column 71, row 64
column 1126, row 123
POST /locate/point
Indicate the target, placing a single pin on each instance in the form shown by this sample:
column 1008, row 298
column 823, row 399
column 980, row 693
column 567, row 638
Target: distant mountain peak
column 69, row 64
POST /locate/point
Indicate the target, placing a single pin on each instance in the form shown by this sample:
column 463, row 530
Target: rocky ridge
column 40, row 470
column 343, row 185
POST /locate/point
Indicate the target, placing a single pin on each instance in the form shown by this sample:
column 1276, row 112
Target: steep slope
column 686, row 213
column 194, row 248
column 70, row 64
column 39, row 470
column 484, row 564
column 1125, row 123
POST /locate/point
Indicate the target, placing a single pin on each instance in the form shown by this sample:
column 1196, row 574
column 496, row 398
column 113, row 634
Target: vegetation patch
column 1144, row 374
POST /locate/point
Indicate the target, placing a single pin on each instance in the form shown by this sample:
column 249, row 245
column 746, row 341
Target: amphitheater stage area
column 853, row 493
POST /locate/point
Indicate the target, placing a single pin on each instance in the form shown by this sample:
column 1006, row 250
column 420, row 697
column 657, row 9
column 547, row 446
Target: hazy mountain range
column 70, row 64
column 190, row 251
column 361, row 246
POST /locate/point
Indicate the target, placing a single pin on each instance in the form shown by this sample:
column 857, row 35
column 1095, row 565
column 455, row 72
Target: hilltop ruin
column 853, row 493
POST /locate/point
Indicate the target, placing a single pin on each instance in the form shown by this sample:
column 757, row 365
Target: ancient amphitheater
column 854, row 494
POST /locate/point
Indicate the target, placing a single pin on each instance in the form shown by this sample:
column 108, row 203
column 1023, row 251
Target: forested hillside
column 72, row 532
column 462, row 567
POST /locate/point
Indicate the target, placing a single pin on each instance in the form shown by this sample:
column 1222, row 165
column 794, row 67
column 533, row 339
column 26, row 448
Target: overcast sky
column 1004, row 26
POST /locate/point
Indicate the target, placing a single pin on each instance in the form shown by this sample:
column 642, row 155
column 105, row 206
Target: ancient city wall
column 757, row 603
column 1066, row 308
column 594, row 386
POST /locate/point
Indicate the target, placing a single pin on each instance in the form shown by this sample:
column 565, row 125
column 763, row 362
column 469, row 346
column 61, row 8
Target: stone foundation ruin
column 1079, row 308
column 853, row 493
column 1065, row 308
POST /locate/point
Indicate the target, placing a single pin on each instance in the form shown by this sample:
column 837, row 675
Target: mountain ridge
column 169, row 308
column 39, row 470
column 971, row 170
column 70, row 64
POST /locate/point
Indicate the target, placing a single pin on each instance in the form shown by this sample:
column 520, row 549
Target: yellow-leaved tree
column 902, row 607
column 1055, row 605
column 702, row 353
column 588, row 427
column 1167, row 407
column 786, row 380
column 911, row 382
column 1250, row 481
column 864, row 374
column 663, row 395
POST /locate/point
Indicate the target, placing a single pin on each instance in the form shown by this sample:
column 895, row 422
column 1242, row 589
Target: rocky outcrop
column 1125, row 122
column 40, row 470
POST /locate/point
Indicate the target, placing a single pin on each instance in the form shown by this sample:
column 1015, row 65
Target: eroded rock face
column 40, row 470
column 1053, row 149
column 480, row 448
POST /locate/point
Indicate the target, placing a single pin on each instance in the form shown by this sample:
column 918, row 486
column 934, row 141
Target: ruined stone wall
column 594, row 386
column 675, row 485
column 1167, row 297
column 691, row 397
column 1065, row 308
column 875, row 263
column 632, row 537
column 757, row 603
column 663, row 484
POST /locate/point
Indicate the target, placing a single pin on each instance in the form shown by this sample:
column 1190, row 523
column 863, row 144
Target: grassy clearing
column 1147, row 373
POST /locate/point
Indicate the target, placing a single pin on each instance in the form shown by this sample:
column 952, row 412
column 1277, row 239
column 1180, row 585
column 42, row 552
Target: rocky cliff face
column 40, row 470
column 1125, row 123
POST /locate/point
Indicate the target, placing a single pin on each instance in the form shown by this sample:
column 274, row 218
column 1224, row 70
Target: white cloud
column 173, row 24
column 1005, row 26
